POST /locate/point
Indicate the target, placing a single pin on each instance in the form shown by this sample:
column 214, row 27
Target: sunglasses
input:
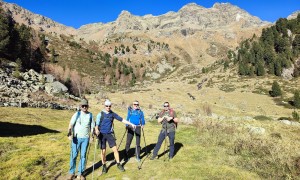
column 166, row 105
column 84, row 106
column 107, row 106
column 136, row 104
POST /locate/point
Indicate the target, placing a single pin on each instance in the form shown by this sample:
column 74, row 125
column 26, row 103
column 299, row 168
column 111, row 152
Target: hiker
column 167, row 117
column 136, row 116
column 80, row 127
column 104, row 130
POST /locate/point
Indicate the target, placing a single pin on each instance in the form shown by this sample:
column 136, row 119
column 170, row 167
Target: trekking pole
column 165, row 142
column 94, row 157
column 145, row 141
column 122, row 138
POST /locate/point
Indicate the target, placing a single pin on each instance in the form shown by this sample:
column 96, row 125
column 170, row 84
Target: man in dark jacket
column 104, row 131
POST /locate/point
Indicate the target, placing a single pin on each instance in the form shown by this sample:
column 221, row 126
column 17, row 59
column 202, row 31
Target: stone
column 49, row 78
column 55, row 88
column 256, row 130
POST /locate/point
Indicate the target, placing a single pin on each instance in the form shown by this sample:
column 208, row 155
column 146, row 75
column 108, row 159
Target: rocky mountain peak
column 293, row 15
column 124, row 13
column 191, row 7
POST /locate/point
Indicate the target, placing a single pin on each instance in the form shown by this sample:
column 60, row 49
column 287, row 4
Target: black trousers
column 130, row 134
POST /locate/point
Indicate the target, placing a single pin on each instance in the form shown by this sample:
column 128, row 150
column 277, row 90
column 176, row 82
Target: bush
column 297, row 100
column 276, row 90
column 295, row 115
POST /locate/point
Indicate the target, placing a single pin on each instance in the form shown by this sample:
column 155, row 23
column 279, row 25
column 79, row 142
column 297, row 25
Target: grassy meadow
column 207, row 149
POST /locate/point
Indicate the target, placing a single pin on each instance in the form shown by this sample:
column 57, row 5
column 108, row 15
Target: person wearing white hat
column 104, row 131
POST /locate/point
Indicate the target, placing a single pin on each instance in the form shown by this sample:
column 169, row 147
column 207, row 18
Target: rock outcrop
column 17, row 89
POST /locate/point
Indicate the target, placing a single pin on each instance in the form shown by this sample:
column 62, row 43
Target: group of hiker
column 83, row 127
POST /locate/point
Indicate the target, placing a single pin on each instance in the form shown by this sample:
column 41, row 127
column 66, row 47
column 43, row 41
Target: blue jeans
column 78, row 144
column 160, row 140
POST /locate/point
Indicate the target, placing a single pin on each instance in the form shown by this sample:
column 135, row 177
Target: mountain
column 146, row 47
column 36, row 21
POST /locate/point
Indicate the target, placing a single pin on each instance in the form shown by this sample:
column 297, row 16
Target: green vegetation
column 272, row 52
column 297, row 99
column 16, row 43
column 207, row 150
column 276, row 90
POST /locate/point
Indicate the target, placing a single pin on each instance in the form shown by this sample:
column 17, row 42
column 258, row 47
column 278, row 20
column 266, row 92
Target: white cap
column 107, row 102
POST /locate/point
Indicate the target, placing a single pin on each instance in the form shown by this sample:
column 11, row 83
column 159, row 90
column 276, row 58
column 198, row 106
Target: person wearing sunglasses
column 136, row 116
column 80, row 128
column 104, row 130
column 167, row 117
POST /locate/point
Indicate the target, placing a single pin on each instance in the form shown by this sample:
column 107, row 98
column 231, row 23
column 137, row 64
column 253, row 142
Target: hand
column 169, row 118
column 97, row 132
column 133, row 126
column 70, row 137
column 91, row 138
column 142, row 126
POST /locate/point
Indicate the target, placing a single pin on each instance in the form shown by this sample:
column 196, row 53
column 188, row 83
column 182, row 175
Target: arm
column 117, row 117
column 128, row 123
column 160, row 119
column 71, row 124
column 97, row 130
column 143, row 119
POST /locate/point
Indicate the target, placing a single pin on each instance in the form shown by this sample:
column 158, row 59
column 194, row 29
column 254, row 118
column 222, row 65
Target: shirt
column 168, row 125
column 136, row 116
column 106, row 124
column 83, row 124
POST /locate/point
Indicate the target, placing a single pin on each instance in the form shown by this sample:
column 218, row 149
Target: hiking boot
column 120, row 167
column 138, row 159
column 153, row 157
column 82, row 177
column 126, row 157
column 104, row 169
column 71, row 176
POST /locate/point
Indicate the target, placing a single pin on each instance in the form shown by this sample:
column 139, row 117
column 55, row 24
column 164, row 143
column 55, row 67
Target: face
column 135, row 105
column 107, row 108
column 166, row 106
column 84, row 108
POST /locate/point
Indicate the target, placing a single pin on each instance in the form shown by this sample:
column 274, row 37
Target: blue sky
column 79, row 12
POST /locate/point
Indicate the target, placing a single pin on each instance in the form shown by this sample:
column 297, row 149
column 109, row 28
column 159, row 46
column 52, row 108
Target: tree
column 297, row 99
column 4, row 33
column 260, row 70
column 127, row 49
column 53, row 55
column 276, row 90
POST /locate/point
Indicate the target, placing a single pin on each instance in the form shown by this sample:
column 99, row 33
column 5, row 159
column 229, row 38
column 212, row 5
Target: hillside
column 134, row 48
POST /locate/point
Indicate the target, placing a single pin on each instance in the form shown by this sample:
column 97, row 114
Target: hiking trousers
column 130, row 134
column 162, row 135
column 78, row 144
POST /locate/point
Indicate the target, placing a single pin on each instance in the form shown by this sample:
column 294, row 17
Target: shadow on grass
column 177, row 147
column 18, row 130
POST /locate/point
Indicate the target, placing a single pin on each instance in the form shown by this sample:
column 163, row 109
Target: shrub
column 276, row 90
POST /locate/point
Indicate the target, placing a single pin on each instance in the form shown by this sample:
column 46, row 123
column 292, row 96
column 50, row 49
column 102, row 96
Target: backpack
column 171, row 113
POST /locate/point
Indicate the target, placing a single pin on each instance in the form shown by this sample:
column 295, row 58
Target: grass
column 206, row 150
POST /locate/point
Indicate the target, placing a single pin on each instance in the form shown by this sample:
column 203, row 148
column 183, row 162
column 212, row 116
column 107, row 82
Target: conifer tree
column 297, row 99
column 4, row 33
column 276, row 90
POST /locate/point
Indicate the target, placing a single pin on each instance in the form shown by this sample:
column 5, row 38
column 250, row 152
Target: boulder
column 49, row 78
column 55, row 88
column 291, row 123
column 256, row 130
